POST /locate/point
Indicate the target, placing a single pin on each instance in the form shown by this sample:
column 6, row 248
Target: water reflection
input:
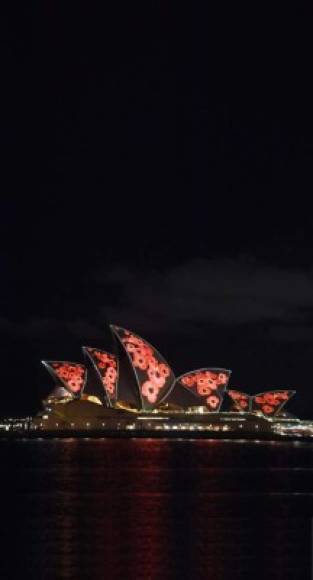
column 158, row 509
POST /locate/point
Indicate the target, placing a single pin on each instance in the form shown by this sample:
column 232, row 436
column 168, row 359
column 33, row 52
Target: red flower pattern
column 267, row 409
column 106, row 366
column 71, row 374
column 150, row 390
column 271, row 402
column 241, row 400
column 259, row 400
column 204, row 382
column 146, row 359
column 188, row 381
column 203, row 389
column 213, row 401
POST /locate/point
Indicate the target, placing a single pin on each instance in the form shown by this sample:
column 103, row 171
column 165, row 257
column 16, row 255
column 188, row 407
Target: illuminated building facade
column 156, row 384
column 133, row 391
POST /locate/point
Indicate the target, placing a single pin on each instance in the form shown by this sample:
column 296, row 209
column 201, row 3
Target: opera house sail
column 153, row 375
column 72, row 376
column 106, row 366
column 88, row 398
column 208, row 384
column 269, row 403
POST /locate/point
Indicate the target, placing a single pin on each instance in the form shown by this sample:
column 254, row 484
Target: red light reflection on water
column 144, row 509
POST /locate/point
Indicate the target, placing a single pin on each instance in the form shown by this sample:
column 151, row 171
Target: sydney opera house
column 132, row 391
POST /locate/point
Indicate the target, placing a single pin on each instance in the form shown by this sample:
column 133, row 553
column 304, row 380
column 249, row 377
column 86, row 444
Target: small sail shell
column 209, row 384
column 154, row 377
column 270, row 403
column 241, row 401
column 106, row 366
column 72, row 376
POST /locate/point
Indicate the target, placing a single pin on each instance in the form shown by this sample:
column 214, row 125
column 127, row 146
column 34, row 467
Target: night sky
column 156, row 174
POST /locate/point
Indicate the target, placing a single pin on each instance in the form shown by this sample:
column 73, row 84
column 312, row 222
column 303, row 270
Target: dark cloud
column 189, row 298
column 204, row 292
column 292, row 333
column 50, row 328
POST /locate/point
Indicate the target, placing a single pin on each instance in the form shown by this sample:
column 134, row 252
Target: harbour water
column 150, row 509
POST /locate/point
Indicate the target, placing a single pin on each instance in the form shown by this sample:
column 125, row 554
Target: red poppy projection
column 106, row 365
column 271, row 402
column 155, row 379
column 268, row 403
column 242, row 401
column 70, row 375
column 153, row 374
column 208, row 384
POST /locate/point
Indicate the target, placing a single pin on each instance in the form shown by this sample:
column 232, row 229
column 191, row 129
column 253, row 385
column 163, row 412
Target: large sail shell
column 154, row 376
